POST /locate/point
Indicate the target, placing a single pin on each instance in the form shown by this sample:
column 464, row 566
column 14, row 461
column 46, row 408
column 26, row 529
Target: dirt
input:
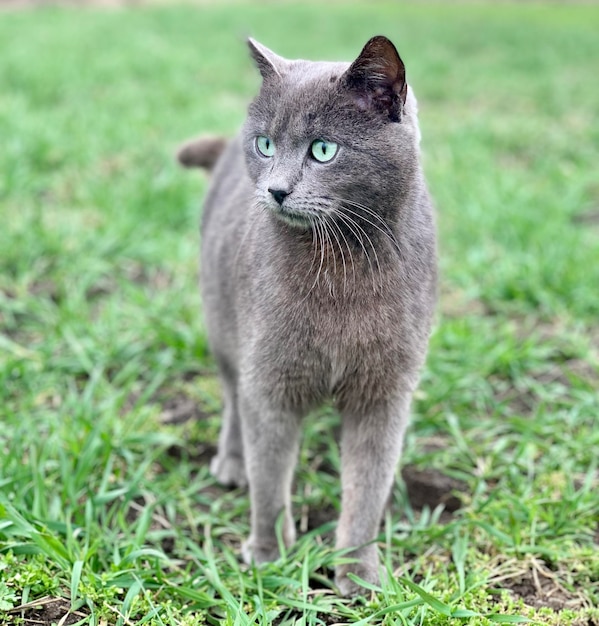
column 538, row 598
column 176, row 406
column 540, row 585
column 293, row 616
column 543, row 591
column 180, row 409
column 47, row 611
column 590, row 217
column 431, row 488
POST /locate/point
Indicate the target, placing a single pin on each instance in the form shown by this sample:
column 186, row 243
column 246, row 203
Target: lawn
column 108, row 397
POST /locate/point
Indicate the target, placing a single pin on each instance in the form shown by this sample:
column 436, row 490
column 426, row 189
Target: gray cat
column 318, row 271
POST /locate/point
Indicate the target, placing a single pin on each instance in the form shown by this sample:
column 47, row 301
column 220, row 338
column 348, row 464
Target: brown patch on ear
column 377, row 79
column 269, row 64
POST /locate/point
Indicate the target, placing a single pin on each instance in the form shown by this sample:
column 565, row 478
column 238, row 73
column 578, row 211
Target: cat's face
column 324, row 138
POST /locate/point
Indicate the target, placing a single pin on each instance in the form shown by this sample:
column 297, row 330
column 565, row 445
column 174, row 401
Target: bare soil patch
column 543, row 595
column 47, row 611
column 180, row 409
column 539, row 585
column 590, row 217
column 431, row 488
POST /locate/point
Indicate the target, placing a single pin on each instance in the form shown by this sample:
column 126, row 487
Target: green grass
column 107, row 504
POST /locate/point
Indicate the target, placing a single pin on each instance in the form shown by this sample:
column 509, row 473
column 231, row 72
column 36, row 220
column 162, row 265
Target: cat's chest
column 335, row 330
column 324, row 318
column 332, row 308
column 313, row 351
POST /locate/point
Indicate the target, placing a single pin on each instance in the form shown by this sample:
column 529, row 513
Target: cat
column 318, row 277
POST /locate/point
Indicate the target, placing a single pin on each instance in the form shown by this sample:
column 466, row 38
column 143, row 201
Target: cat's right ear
column 377, row 79
column 269, row 64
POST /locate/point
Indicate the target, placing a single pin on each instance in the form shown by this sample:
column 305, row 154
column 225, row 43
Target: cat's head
column 324, row 137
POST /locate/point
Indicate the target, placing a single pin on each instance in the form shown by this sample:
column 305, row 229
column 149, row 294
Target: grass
column 108, row 398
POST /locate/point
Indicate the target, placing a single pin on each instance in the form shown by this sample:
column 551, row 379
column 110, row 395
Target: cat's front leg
column 228, row 466
column 270, row 437
column 371, row 443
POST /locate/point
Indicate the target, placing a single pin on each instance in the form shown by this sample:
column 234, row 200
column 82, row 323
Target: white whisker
column 334, row 225
column 326, row 230
column 322, row 244
column 376, row 256
column 348, row 221
column 387, row 232
column 315, row 243
column 358, row 205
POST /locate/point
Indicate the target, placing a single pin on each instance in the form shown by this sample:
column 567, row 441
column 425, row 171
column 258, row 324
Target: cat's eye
column 265, row 146
column 323, row 151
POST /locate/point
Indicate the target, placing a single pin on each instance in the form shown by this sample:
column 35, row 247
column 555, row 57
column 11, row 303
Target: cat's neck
column 329, row 261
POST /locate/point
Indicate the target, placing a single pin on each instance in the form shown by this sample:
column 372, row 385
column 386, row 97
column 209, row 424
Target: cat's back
column 229, row 188
column 224, row 218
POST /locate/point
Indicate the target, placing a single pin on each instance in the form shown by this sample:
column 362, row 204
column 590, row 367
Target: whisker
column 349, row 250
column 326, row 230
column 321, row 217
column 322, row 244
column 348, row 221
column 331, row 250
column 376, row 256
column 340, row 250
column 389, row 234
column 315, row 243
column 358, row 205
column 385, row 222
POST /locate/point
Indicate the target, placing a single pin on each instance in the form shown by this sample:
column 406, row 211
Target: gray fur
column 327, row 297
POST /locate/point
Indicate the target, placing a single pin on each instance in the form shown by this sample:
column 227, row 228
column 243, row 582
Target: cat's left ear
column 377, row 79
column 269, row 64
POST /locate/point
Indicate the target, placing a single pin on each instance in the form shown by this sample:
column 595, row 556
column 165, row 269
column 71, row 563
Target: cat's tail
column 201, row 152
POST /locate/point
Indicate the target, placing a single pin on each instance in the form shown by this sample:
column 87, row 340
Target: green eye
column 323, row 151
column 265, row 146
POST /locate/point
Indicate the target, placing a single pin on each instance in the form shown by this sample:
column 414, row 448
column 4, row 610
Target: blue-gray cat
column 318, row 272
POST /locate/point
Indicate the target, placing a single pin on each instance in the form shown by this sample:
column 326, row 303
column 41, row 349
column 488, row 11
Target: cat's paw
column 369, row 572
column 229, row 470
column 266, row 550
column 253, row 552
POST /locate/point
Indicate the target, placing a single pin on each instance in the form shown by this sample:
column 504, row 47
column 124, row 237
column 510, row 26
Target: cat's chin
column 292, row 218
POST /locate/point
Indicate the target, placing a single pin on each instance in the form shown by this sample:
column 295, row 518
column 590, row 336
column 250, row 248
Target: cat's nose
column 279, row 194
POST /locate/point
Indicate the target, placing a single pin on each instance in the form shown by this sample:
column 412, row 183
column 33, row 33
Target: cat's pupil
column 265, row 146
